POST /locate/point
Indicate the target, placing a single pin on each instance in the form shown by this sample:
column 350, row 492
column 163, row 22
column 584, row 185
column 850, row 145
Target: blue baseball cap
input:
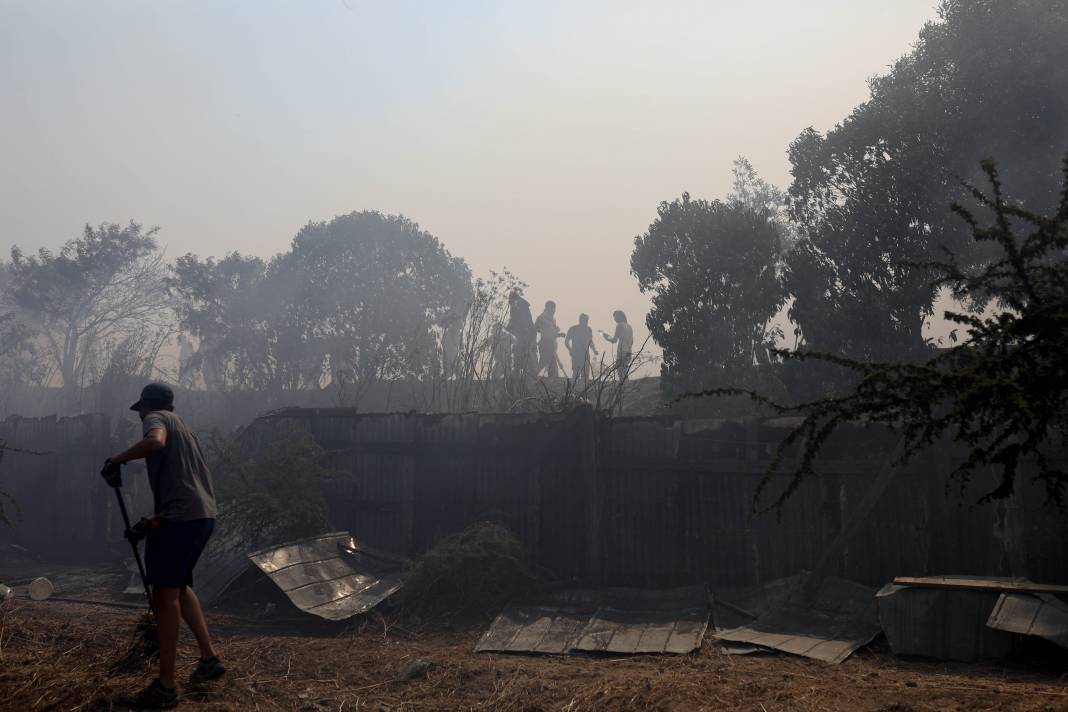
column 155, row 394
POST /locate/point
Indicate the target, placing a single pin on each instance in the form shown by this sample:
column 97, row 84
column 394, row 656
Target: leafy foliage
column 221, row 302
column 987, row 79
column 477, row 569
column 357, row 298
column 370, row 288
column 19, row 354
column 477, row 353
column 1002, row 392
column 274, row 484
column 713, row 270
column 95, row 292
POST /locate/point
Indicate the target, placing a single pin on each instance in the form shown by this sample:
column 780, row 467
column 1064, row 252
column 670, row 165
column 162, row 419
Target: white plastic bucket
column 41, row 588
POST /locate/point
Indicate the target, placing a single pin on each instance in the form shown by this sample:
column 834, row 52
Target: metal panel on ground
column 943, row 623
column 217, row 570
column 330, row 576
column 1043, row 615
column 840, row 620
column 617, row 620
column 547, row 627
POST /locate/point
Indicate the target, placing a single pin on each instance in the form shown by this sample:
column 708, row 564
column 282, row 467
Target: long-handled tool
column 133, row 545
column 149, row 646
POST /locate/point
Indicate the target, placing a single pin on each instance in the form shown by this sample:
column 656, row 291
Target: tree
column 749, row 190
column 365, row 291
column 478, row 356
column 1002, row 391
column 223, row 303
column 19, row 362
column 99, row 289
column 987, row 78
column 358, row 299
column 712, row 268
column 19, row 358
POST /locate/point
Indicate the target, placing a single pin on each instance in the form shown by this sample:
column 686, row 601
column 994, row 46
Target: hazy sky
column 535, row 135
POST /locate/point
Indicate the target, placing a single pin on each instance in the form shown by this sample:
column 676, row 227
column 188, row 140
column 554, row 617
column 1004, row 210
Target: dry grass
column 56, row 656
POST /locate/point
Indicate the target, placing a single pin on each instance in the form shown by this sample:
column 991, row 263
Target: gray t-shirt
column 179, row 477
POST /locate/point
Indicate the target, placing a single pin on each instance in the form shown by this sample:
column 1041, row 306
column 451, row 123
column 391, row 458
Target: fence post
column 586, row 432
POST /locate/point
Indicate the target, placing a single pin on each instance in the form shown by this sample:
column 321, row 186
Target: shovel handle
column 133, row 544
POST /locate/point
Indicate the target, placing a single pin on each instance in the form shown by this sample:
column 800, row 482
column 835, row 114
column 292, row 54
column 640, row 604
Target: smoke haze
column 537, row 136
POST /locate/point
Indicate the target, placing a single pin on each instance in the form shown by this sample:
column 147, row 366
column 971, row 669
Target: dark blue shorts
column 172, row 550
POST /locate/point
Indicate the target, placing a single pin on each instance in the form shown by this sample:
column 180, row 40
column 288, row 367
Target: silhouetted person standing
column 548, row 332
column 521, row 326
column 579, row 343
column 624, row 341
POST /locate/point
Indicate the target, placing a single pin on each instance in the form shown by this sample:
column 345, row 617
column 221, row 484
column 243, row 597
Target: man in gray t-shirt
column 184, row 506
column 179, row 477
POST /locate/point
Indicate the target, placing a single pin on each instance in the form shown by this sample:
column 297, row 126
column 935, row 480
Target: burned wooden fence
column 636, row 501
column 662, row 502
column 62, row 510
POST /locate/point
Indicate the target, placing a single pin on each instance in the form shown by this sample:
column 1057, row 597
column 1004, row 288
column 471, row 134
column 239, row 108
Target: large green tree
column 988, row 78
column 712, row 268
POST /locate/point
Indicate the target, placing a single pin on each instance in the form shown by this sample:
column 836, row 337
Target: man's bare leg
column 168, row 618
column 193, row 615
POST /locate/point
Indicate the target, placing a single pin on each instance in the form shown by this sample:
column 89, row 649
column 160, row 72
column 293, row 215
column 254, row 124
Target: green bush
column 275, row 483
column 473, row 571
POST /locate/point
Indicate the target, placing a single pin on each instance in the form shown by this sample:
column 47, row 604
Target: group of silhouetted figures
column 528, row 345
column 524, row 346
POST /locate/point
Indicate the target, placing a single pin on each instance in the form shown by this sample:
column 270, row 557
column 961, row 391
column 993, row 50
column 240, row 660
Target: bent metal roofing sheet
column 1042, row 615
column 841, row 619
column 331, row 576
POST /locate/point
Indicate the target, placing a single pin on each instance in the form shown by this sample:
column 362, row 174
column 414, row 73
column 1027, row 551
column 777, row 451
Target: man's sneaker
column 155, row 697
column 207, row 670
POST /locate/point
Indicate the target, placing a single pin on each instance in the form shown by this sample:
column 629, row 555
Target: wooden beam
column 979, row 584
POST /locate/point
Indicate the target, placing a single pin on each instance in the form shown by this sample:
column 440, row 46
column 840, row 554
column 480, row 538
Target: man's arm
column 154, row 440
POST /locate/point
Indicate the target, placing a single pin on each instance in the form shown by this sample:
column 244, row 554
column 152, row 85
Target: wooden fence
column 621, row 501
column 662, row 502
column 62, row 509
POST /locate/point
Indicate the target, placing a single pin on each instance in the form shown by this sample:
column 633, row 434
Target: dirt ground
column 57, row 655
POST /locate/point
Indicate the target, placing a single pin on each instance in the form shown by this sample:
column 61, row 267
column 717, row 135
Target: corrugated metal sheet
column 225, row 558
column 946, row 624
column 330, row 576
column 839, row 621
column 549, row 626
column 1043, row 615
column 625, row 621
